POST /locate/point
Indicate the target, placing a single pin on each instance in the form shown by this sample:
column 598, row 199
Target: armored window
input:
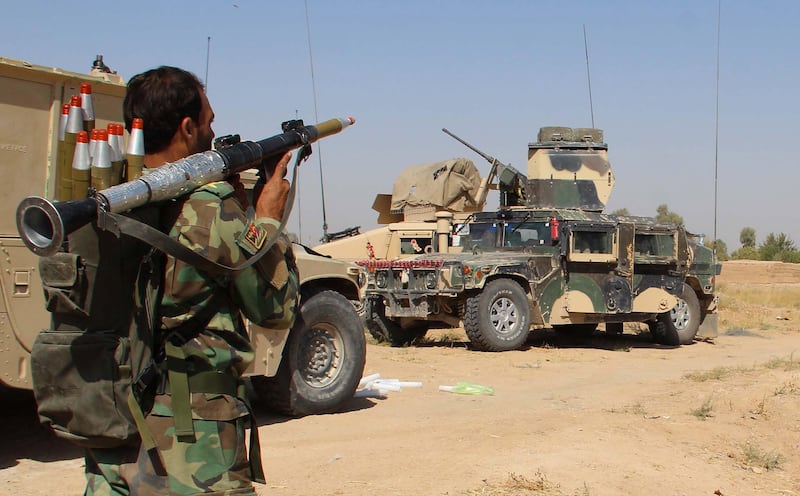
column 480, row 234
column 592, row 246
column 658, row 245
column 527, row 234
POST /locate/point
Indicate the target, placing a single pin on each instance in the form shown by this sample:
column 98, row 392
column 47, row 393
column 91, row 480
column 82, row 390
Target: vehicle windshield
column 497, row 235
column 527, row 234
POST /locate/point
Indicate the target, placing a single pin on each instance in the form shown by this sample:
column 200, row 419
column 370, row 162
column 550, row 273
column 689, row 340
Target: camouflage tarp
column 450, row 184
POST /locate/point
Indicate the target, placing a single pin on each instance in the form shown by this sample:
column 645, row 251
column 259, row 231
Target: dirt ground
column 599, row 416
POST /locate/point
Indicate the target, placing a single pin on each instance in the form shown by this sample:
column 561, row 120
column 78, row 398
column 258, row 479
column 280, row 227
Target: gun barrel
column 489, row 158
column 43, row 225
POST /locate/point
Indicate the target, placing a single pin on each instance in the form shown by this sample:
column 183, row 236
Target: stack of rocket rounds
column 101, row 162
column 135, row 155
column 73, row 127
column 81, row 166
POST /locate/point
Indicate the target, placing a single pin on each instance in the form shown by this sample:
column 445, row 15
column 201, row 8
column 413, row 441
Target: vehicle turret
column 569, row 168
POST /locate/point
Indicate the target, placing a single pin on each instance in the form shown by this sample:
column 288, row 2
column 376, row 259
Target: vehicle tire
column 679, row 325
column 577, row 330
column 385, row 330
column 498, row 318
column 323, row 360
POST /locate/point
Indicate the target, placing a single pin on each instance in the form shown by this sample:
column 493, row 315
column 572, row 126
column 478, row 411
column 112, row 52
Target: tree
column 777, row 248
column 664, row 216
column 745, row 253
column 620, row 211
column 722, row 248
column 747, row 237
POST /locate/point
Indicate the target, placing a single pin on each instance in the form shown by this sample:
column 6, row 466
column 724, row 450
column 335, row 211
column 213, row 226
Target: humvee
column 523, row 269
column 311, row 368
column 550, row 241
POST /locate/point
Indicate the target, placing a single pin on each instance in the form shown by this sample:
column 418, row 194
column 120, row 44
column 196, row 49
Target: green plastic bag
column 468, row 388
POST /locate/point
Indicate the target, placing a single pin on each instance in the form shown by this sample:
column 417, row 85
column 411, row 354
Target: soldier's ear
column 187, row 129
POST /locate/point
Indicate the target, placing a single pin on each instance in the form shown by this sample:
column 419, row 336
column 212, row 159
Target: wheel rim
column 680, row 315
column 504, row 316
column 321, row 355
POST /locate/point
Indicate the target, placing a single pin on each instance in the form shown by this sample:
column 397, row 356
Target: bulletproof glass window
column 592, row 246
column 526, row 234
column 482, row 235
column 657, row 245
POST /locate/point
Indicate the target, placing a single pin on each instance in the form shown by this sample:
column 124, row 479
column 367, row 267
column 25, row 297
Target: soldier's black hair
column 162, row 97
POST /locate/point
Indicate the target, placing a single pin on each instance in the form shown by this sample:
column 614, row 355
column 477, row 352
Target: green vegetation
column 775, row 248
column 715, row 374
column 704, row 411
column 756, row 457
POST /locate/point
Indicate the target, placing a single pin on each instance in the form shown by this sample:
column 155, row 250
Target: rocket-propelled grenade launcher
column 44, row 225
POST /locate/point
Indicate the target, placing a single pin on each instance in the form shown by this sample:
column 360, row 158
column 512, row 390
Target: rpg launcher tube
column 44, row 226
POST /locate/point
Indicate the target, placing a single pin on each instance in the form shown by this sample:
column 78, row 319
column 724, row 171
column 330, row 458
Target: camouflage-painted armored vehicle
column 313, row 367
column 521, row 269
column 540, row 241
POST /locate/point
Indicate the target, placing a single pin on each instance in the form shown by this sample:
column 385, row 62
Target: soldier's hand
column 270, row 197
column 239, row 190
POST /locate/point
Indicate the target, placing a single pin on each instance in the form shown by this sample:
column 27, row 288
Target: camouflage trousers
column 214, row 462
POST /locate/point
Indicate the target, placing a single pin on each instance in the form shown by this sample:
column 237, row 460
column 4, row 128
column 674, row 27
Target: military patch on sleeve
column 252, row 238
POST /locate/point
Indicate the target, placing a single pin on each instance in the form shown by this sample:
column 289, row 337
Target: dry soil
column 599, row 416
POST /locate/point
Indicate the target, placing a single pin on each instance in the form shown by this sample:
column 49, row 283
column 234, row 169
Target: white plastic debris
column 373, row 386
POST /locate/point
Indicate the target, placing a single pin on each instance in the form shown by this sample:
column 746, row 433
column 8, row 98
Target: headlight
column 380, row 279
column 430, row 280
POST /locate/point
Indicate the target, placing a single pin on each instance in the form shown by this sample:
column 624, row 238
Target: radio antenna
column 208, row 56
column 319, row 148
column 716, row 131
column 588, row 77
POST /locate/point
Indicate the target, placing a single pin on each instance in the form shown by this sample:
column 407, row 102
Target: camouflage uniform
column 214, row 460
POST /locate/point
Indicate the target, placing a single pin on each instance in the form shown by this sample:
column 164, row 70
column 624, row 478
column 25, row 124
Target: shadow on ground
column 24, row 437
column 548, row 338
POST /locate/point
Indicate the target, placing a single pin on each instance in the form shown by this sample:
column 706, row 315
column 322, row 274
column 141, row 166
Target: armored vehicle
column 550, row 241
column 311, row 368
column 522, row 269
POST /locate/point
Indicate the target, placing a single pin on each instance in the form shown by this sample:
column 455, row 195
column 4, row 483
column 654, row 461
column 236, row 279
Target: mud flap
column 709, row 329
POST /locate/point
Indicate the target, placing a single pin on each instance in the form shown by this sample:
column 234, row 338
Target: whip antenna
column 208, row 56
column 319, row 148
column 716, row 132
column 588, row 77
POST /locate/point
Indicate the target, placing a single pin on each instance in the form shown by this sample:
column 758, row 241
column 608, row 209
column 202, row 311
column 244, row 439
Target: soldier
column 200, row 435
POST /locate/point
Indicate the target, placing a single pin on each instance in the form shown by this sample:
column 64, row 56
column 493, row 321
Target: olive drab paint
column 101, row 162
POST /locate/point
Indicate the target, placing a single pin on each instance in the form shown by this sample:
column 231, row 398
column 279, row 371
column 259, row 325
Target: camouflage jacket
column 212, row 222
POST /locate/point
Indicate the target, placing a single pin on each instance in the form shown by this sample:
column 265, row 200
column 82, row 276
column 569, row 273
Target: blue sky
column 491, row 72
